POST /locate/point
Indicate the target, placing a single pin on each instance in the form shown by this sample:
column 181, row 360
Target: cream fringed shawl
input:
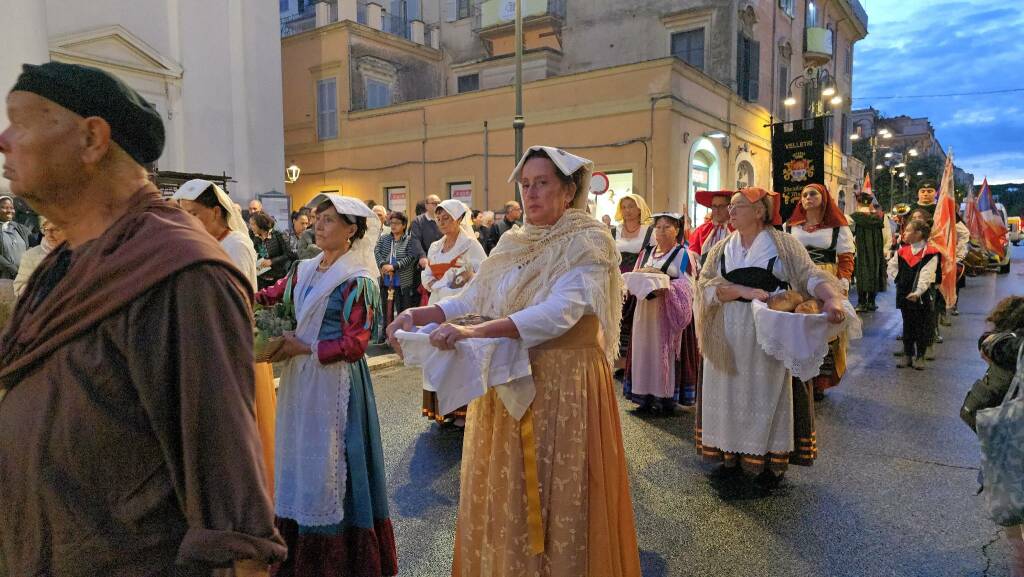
column 544, row 253
column 711, row 323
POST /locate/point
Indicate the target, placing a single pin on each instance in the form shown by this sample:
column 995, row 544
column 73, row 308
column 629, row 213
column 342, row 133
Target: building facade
column 667, row 97
column 907, row 133
column 212, row 70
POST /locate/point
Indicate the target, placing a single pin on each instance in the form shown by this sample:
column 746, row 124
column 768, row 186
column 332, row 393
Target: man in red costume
column 717, row 228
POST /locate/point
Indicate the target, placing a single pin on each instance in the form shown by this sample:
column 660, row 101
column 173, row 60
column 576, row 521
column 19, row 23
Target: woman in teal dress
column 330, row 492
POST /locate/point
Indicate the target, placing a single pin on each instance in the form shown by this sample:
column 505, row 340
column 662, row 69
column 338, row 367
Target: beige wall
column 595, row 114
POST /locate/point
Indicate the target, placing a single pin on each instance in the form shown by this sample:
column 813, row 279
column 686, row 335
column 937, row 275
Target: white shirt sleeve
column 474, row 255
column 427, row 277
column 893, row 267
column 845, row 243
column 461, row 304
column 886, row 233
column 927, row 276
column 963, row 237
column 568, row 301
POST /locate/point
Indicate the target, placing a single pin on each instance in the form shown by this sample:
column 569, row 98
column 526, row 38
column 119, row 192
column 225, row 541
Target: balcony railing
column 497, row 12
column 817, row 46
column 396, row 24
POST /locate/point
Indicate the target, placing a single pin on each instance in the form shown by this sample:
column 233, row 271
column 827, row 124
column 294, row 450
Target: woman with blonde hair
column 632, row 236
column 544, row 486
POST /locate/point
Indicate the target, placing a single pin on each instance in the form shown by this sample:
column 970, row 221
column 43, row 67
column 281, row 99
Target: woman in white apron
column 330, row 494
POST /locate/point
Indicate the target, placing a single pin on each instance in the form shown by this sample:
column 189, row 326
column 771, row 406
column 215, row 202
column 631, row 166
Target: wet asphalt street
column 892, row 493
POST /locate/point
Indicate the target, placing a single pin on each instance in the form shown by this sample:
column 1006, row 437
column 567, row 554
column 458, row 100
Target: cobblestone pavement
column 892, row 494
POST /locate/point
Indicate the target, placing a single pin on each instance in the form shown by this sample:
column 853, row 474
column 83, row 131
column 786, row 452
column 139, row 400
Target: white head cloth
column 460, row 214
column 567, row 164
column 194, row 188
column 362, row 248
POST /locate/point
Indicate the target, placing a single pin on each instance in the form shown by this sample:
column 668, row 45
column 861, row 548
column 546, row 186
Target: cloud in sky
column 917, row 47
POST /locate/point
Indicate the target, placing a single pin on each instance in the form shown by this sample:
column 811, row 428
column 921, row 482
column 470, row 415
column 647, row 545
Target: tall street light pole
column 518, row 123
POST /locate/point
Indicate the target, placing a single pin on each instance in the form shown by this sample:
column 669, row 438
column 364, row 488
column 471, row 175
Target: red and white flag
column 943, row 236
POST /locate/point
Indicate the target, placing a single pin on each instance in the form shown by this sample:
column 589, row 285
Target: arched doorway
column 705, row 174
column 744, row 174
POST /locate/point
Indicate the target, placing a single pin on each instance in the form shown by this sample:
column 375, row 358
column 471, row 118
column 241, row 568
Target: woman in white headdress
column 330, row 492
column 452, row 261
column 544, row 486
column 455, row 257
column 222, row 218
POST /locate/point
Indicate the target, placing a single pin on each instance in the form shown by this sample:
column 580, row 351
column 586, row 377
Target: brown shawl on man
column 128, row 412
column 151, row 242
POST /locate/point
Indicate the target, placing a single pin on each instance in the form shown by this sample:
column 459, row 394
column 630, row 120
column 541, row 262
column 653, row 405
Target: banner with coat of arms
column 798, row 158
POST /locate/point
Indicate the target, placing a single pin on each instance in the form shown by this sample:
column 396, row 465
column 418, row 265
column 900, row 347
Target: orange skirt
column 586, row 510
column 266, row 417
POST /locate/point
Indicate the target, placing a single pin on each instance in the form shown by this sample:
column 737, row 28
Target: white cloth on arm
column 550, row 316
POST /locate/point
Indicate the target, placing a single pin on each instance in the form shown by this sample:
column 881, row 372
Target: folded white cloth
column 461, row 375
column 641, row 284
column 800, row 341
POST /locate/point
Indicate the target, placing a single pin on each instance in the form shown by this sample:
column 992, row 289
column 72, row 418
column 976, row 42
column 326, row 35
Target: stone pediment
column 113, row 46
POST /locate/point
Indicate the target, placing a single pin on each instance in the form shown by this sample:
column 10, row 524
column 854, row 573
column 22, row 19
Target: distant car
column 1004, row 264
column 1014, row 225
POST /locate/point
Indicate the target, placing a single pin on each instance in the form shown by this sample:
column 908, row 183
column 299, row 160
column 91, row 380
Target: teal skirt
column 364, row 543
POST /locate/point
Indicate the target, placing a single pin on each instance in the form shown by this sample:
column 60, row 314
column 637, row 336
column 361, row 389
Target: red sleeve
column 355, row 338
column 697, row 238
column 272, row 294
column 844, row 265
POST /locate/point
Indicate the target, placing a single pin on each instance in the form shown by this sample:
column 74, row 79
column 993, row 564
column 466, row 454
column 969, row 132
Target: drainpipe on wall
column 487, row 153
column 423, row 153
column 649, row 189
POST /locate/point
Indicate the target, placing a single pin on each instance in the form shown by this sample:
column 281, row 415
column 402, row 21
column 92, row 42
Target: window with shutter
column 464, row 8
column 748, row 66
column 469, row 83
column 688, row 46
column 787, row 6
column 753, row 70
column 378, row 94
column 783, row 84
column 327, row 109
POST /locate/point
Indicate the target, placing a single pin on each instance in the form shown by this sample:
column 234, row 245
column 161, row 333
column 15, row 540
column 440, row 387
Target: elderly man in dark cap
column 126, row 379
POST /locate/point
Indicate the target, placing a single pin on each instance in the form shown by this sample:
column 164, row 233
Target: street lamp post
column 873, row 142
column 518, row 123
column 822, row 85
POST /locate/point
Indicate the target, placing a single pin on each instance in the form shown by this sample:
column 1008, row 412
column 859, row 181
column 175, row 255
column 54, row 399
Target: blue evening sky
column 921, row 47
